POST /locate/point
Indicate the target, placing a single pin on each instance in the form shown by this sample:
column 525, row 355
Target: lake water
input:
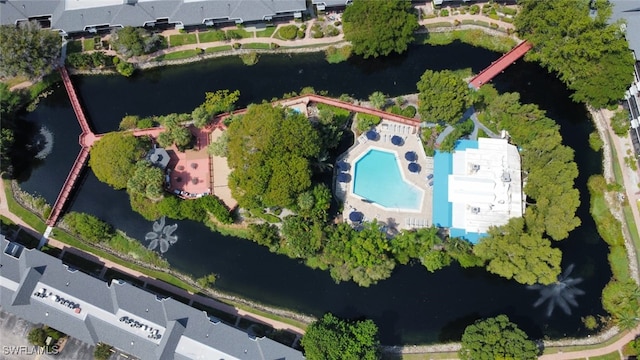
column 413, row 306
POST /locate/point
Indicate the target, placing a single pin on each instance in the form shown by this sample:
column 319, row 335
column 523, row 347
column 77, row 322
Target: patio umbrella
column 344, row 177
column 343, row 165
column 372, row 135
column 410, row 156
column 356, row 216
column 414, row 167
column 397, row 140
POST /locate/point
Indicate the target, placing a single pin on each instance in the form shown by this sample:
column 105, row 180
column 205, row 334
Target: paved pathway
column 616, row 346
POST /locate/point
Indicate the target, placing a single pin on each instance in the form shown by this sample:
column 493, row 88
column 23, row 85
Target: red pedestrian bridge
column 499, row 65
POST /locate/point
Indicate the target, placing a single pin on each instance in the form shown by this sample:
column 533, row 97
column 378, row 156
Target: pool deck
column 395, row 219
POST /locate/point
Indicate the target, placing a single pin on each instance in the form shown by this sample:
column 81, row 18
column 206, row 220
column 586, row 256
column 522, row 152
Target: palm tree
column 321, row 163
column 378, row 99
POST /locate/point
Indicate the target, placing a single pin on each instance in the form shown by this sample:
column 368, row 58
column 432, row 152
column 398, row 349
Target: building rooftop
column 629, row 10
column 483, row 186
column 81, row 15
column 41, row 289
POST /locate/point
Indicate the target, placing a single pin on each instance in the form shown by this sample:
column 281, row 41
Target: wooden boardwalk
column 87, row 138
column 499, row 65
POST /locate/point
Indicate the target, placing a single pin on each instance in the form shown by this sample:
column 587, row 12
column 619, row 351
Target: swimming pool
column 377, row 178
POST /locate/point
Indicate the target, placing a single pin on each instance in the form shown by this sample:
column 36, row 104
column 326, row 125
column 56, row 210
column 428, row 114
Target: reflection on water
column 161, row 235
column 42, row 143
column 562, row 293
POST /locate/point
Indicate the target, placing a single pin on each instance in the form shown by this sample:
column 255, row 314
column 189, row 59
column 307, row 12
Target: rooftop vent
column 475, row 167
column 506, row 177
column 475, row 210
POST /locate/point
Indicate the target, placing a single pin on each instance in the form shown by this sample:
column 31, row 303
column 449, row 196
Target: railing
column 68, row 186
column 502, row 63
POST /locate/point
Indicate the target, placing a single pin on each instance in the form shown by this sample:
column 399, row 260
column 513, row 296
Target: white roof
column 485, row 186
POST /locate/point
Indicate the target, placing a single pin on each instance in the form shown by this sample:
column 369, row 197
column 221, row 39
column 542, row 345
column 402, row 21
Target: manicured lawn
column 240, row 32
column 88, row 44
column 611, row 356
column 182, row 39
column 266, row 32
column 438, row 24
column 256, row 46
column 217, row 49
column 211, row 36
column 74, row 46
column 179, row 55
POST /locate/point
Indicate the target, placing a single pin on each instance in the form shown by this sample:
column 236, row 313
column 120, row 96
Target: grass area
column 182, row 39
column 74, row 46
column 179, row 55
column 482, row 133
column 268, row 32
column 13, row 81
column 211, row 36
column 217, row 49
column 474, row 37
column 566, row 349
column 27, row 216
column 611, row 356
column 261, row 46
column 239, row 33
column 438, row 25
column 269, row 315
column 88, row 44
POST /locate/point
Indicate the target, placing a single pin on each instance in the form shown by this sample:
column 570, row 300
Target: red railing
column 69, row 183
column 502, row 63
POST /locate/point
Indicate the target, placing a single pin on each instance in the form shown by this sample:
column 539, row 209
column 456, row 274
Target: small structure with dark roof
column 158, row 157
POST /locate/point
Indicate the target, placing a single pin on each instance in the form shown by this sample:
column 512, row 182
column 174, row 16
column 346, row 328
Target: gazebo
column 158, row 157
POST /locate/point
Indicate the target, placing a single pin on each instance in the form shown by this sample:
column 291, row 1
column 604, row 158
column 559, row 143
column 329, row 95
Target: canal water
column 413, row 306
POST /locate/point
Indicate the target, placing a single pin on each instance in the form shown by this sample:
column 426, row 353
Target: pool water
column 377, row 178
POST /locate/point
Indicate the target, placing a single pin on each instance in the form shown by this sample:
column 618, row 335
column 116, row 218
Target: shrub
column 129, row 122
column 595, row 142
column 250, row 58
column 145, row 123
column 125, row 68
column 409, row 111
column 456, row 22
column 274, row 46
column 236, row 46
column 37, row 336
column 300, row 34
column 214, row 206
column 444, row 12
column 366, row 121
column 316, row 31
column 337, row 23
column 88, row 227
column 620, row 122
column 115, row 60
column 474, row 10
column 288, row 32
column 493, row 25
column 508, row 11
column 332, row 31
column 102, row 352
column 494, row 16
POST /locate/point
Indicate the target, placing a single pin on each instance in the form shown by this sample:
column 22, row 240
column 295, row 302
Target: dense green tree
column 220, row 147
column 270, row 151
column 590, row 54
column 125, row 68
column 331, row 338
column 461, row 250
column 114, row 157
column 379, row 27
column 88, row 227
column 102, row 351
column 378, row 99
column 28, row 50
column 266, row 235
column 511, row 252
column 207, row 280
column 302, row 238
column 362, row 256
column 175, row 132
column 496, row 338
column 147, row 181
column 443, row 96
column 422, row 244
column 621, row 299
column 620, row 122
column 134, row 41
column 37, row 336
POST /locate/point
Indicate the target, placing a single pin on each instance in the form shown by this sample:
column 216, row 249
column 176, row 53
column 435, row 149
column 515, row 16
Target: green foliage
column 337, row 55
column 129, row 122
column 114, row 156
column 127, row 246
column 591, row 55
column 443, row 96
column 609, row 228
column 620, row 122
column 424, row 245
column 125, row 68
column 147, row 180
column 145, row 123
column 496, row 338
column 214, row 206
column 134, row 41
column 331, row 338
column 619, row 262
column 182, row 39
column 460, row 130
column 27, row 50
column 362, row 256
column 548, row 165
column 212, row 35
column 595, row 142
column 366, row 121
column 37, row 336
column 270, row 151
column 220, row 147
column 220, row 101
column 88, row 227
column 84, row 60
column 302, row 238
column 288, row 32
column 102, row 351
column 620, row 298
column 265, row 235
column 590, row 322
column 175, row 132
column 207, row 280
column 250, row 58
column 475, row 37
column 379, row 27
column 378, row 99
column 512, row 252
